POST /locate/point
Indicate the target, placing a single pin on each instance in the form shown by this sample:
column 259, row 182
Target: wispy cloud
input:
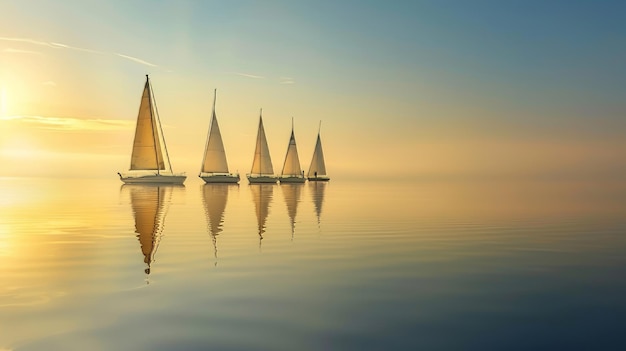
column 72, row 124
column 26, row 40
column 247, row 75
column 57, row 45
column 65, row 46
column 49, row 83
column 136, row 60
column 20, row 51
column 286, row 80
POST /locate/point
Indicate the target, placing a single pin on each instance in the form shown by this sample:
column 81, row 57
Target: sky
column 403, row 89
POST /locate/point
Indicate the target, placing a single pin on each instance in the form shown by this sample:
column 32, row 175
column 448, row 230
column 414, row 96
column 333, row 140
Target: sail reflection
column 215, row 197
column 317, row 193
column 150, row 204
column 262, row 196
column 291, row 193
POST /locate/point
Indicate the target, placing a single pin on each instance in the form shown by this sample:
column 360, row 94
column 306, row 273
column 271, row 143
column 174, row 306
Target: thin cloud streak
column 26, row 40
column 134, row 59
column 247, row 75
column 72, row 124
column 56, row 45
column 286, row 80
column 59, row 45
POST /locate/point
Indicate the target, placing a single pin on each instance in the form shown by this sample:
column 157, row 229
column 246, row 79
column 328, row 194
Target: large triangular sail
column 262, row 163
column 147, row 151
column 318, row 167
column 214, row 155
column 292, row 161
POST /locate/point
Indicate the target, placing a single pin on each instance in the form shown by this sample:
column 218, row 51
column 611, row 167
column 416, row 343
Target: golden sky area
column 407, row 98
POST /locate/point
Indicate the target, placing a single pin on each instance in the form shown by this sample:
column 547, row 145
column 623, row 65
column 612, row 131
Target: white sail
column 318, row 167
column 147, row 152
column 214, row 154
column 292, row 161
column 262, row 163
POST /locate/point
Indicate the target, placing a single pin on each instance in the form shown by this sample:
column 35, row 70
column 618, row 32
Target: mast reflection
column 291, row 193
column 262, row 196
column 150, row 204
column 215, row 197
column 317, row 194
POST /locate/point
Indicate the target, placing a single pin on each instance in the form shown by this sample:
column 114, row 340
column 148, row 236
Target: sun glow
column 3, row 102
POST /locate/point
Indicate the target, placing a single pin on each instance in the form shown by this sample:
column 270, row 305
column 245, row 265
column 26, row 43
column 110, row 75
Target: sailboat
column 150, row 162
column 317, row 170
column 292, row 173
column 262, row 169
column 214, row 166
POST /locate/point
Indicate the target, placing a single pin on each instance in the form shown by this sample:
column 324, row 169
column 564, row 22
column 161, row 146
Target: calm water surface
column 89, row 264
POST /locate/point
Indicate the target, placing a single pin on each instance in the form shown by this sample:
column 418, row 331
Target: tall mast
column 208, row 134
column 167, row 155
column 155, row 136
column 288, row 148
column 259, row 142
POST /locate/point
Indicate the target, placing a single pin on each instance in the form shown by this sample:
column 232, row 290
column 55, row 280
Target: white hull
column 154, row 179
column 220, row 178
column 292, row 179
column 262, row 179
column 318, row 179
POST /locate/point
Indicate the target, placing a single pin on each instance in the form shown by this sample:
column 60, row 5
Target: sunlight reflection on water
column 341, row 265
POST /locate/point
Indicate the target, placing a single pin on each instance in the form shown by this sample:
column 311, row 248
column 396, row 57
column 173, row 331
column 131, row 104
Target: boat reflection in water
column 317, row 194
column 291, row 193
column 262, row 197
column 150, row 204
column 215, row 197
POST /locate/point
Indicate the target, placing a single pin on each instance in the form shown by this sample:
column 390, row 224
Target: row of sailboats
column 150, row 162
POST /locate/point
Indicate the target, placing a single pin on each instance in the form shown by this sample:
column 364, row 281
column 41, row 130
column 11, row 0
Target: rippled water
column 88, row 264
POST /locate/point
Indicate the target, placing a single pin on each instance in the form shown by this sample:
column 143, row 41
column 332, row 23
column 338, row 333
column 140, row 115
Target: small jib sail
column 291, row 168
column 214, row 165
column 317, row 170
column 262, row 169
column 149, row 161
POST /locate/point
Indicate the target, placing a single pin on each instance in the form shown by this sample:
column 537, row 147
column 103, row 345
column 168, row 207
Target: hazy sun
column 3, row 102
